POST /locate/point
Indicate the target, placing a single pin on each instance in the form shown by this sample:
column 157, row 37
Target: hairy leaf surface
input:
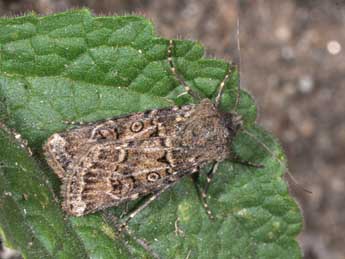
column 73, row 66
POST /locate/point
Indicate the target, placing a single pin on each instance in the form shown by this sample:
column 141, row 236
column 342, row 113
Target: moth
column 107, row 163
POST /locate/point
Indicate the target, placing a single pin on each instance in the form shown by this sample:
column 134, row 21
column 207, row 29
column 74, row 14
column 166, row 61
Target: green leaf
column 76, row 67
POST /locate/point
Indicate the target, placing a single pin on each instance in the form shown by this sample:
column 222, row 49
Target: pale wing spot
column 137, row 126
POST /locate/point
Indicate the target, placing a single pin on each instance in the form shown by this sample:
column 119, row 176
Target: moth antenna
column 238, row 102
column 239, row 60
column 273, row 155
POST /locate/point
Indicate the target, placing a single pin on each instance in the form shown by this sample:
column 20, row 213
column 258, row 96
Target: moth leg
column 236, row 159
column 203, row 192
column 222, row 86
column 125, row 210
column 196, row 96
column 210, row 175
column 113, row 220
column 153, row 197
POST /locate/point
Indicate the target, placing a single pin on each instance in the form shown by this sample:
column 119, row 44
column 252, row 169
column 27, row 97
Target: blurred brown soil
column 292, row 65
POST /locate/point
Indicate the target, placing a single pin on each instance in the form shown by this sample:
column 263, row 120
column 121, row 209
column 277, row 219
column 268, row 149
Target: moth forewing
column 117, row 160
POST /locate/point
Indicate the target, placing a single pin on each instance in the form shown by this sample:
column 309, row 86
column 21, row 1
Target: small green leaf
column 76, row 67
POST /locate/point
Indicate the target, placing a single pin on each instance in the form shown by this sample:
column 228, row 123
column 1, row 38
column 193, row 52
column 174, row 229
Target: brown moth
column 106, row 163
column 110, row 162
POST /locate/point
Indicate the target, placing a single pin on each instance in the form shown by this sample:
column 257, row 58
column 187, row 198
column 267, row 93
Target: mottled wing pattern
column 121, row 159
column 63, row 149
column 114, row 172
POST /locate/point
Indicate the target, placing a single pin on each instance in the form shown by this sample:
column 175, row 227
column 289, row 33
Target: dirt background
column 292, row 63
